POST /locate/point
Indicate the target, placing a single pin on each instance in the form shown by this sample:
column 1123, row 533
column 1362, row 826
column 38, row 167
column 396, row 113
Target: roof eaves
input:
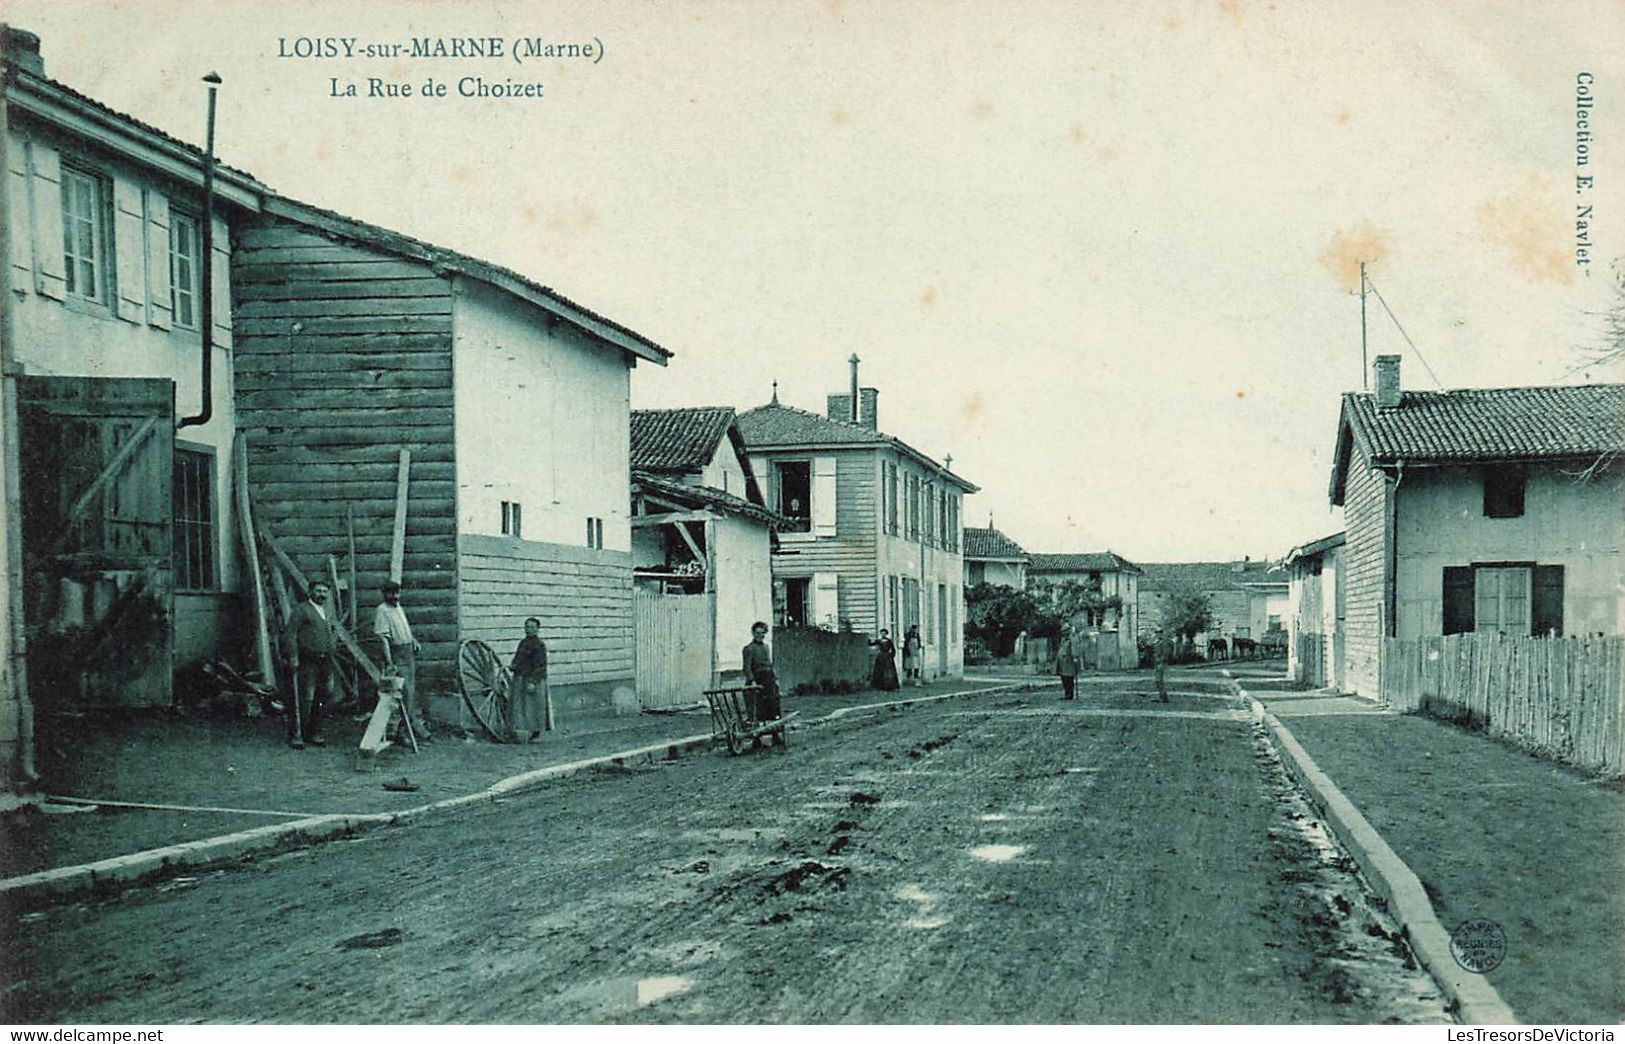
column 494, row 275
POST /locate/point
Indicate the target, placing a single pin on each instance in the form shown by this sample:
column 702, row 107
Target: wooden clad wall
column 1365, row 515
column 343, row 358
column 583, row 597
column 851, row 552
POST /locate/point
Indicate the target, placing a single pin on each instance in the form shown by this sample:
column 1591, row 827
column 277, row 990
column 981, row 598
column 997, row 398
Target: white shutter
column 45, row 189
column 823, row 496
column 128, row 263
column 826, row 600
column 222, row 282
column 22, row 246
column 159, row 306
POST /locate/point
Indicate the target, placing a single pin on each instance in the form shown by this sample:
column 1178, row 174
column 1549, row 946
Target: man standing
column 758, row 671
column 312, row 639
column 400, row 653
column 1066, row 665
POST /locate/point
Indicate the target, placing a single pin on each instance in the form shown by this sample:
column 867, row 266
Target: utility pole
column 1365, row 365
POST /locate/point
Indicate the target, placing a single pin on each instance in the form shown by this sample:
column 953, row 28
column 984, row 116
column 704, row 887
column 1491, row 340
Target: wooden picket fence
column 1563, row 698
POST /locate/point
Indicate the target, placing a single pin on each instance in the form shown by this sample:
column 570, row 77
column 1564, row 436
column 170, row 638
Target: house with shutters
column 872, row 527
column 1486, row 510
column 702, row 538
column 118, row 525
column 993, row 558
column 1111, row 631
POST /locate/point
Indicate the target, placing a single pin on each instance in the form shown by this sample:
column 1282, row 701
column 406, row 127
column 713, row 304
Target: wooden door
column 676, row 642
column 96, row 460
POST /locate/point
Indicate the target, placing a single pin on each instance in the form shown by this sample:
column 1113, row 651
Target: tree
column 1074, row 602
column 1188, row 613
column 996, row 614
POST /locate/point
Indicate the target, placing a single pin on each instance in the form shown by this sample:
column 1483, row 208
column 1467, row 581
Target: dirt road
column 1015, row 860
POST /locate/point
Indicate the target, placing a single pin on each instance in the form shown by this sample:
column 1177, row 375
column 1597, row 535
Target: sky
column 1103, row 254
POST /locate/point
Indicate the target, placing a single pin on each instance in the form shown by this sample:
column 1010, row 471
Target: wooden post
column 251, row 554
column 280, row 557
column 340, row 605
column 397, row 551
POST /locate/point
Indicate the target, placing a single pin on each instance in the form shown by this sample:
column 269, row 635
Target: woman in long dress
column 884, row 676
column 528, row 696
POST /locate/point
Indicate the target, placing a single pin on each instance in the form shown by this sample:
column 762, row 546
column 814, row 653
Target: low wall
column 809, row 656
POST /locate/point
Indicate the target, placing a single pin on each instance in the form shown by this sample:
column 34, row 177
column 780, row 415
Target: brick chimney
column 22, row 50
column 866, row 408
column 1385, row 375
column 838, row 407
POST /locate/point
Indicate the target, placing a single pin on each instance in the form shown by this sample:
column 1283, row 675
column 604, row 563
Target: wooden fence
column 1560, row 697
column 675, row 647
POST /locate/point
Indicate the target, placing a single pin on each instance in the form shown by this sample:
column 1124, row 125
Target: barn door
column 96, row 460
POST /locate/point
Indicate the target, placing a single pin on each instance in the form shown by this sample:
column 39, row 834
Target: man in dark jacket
column 758, row 671
column 312, row 639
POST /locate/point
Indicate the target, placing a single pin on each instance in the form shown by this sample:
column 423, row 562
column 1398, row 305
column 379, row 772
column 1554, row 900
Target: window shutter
column 221, row 295
column 1458, row 599
column 826, row 600
column 129, row 266
column 823, row 496
column 45, row 184
column 1547, row 601
column 159, row 308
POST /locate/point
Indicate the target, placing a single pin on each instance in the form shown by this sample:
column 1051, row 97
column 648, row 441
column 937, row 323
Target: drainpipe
column 206, row 277
column 17, row 667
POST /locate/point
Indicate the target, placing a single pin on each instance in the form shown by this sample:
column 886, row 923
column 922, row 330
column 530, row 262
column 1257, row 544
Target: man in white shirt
column 394, row 633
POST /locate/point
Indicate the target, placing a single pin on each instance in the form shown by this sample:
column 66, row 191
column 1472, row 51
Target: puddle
column 660, row 987
column 1077, row 771
column 997, row 853
column 995, row 817
column 914, row 894
column 924, row 924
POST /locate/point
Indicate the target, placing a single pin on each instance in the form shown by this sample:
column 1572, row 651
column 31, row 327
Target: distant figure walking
column 1066, row 665
column 913, row 653
column 1164, row 652
column 884, row 676
column 757, row 661
column 530, row 699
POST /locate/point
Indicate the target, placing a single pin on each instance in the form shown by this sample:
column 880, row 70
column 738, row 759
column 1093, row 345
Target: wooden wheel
column 736, row 739
column 484, row 681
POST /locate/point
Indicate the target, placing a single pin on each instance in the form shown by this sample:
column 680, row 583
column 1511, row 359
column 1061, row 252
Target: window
column 1503, row 492
column 193, row 497
column 909, row 522
column 183, row 269
column 1504, row 598
column 595, row 533
column 513, row 520
column 795, row 493
column 796, row 596
column 85, row 246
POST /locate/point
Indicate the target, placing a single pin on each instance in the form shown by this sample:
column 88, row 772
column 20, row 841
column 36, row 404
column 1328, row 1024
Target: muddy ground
column 1017, row 860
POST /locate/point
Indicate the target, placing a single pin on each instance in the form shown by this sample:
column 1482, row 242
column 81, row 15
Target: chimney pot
column 1386, row 374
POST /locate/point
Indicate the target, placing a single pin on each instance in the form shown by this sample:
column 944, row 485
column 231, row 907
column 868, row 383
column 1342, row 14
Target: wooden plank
column 251, row 555
column 261, row 272
column 341, row 308
column 110, row 471
column 418, row 422
column 378, row 459
column 646, row 521
column 340, row 355
column 355, row 380
column 402, row 480
column 324, row 326
column 426, row 286
column 272, row 433
column 349, row 533
column 280, row 557
column 339, row 602
column 341, row 402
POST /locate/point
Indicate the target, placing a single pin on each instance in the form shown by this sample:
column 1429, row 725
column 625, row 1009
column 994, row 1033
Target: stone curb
column 1475, row 998
column 107, row 876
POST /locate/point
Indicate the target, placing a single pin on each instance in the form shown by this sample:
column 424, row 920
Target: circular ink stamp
column 1478, row 945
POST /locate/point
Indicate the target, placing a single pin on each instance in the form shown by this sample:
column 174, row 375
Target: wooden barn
column 377, row 372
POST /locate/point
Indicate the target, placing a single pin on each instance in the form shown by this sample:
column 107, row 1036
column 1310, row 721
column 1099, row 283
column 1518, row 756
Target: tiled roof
column 1087, row 562
column 1484, row 424
column 991, row 544
column 776, row 426
column 705, row 496
column 680, row 441
column 1208, row 576
column 1315, row 547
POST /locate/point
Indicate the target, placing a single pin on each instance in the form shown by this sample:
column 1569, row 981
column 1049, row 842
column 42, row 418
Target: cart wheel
column 736, row 741
column 484, row 682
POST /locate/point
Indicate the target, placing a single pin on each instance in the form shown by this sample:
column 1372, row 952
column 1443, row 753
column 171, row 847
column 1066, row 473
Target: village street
column 1010, row 859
